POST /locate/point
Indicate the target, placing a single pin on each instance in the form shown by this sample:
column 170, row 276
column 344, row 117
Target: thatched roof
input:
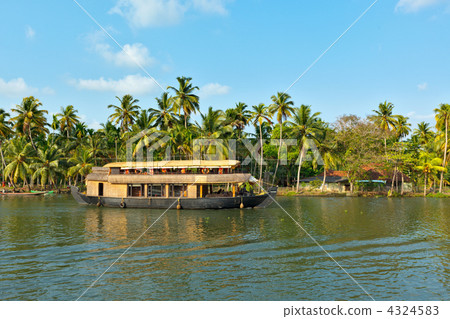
column 177, row 164
column 97, row 177
column 373, row 174
column 179, row 179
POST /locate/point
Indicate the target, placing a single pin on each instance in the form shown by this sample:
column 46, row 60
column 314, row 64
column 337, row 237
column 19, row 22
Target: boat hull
column 174, row 203
column 23, row 194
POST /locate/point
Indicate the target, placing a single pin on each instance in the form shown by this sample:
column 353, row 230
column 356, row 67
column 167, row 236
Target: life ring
column 221, row 170
column 183, row 171
column 127, row 171
column 138, row 171
column 164, row 170
column 122, row 205
column 205, row 170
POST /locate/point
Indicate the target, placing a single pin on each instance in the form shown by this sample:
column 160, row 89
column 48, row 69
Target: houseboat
column 178, row 184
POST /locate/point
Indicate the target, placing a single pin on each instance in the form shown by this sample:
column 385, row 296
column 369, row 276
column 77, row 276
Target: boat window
column 135, row 190
column 204, row 190
column 177, row 190
column 156, row 190
column 100, row 189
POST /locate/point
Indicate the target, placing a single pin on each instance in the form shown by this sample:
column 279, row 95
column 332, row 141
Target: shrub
column 438, row 195
column 315, row 184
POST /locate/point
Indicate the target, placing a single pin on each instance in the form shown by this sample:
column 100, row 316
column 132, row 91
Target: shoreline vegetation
column 52, row 153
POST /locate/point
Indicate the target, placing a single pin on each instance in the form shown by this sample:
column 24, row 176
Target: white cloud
column 154, row 13
column 150, row 13
column 16, row 87
column 416, row 5
column 95, row 125
column 211, row 89
column 131, row 84
column 29, row 32
column 132, row 55
column 422, row 86
column 414, row 115
column 48, row 91
column 210, row 6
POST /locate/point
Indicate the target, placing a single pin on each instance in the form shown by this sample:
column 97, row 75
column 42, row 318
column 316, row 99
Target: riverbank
column 289, row 191
column 37, row 189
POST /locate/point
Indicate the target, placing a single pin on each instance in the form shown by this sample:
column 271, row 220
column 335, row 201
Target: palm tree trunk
column 31, row 138
column 403, row 182
column 425, row 186
column 324, row 179
column 393, row 179
column 279, row 151
column 115, row 140
column 444, row 164
column 299, row 169
column 3, row 162
column 261, row 158
column 385, row 146
column 26, row 184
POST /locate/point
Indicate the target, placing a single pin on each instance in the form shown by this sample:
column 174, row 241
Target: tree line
column 62, row 150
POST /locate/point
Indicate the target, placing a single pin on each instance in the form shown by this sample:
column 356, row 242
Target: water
column 397, row 249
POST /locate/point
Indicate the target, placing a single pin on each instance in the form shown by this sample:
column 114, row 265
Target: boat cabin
column 166, row 179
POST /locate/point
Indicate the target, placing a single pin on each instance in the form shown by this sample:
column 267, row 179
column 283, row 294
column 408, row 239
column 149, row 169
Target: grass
column 438, row 195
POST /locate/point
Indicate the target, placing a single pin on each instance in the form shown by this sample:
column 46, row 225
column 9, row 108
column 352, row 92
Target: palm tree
column 238, row 117
column 283, row 107
column 259, row 115
column 67, row 119
column 384, row 119
column 126, row 113
column 402, row 127
column 304, row 126
column 80, row 130
column 82, row 163
column 5, row 131
column 430, row 166
column 96, row 146
column 442, row 121
column 180, row 139
column 329, row 159
column 143, row 121
column 112, row 135
column 163, row 115
column 30, row 117
column 424, row 133
column 184, row 97
column 19, row 152
column 214, row 127
column 46, row 165
column 55, row 123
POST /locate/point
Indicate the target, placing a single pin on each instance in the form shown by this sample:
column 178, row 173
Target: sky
column 235, row 51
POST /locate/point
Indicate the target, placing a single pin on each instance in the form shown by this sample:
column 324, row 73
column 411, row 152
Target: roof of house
column 332, row 177
column 374, row 173
column 177, row 164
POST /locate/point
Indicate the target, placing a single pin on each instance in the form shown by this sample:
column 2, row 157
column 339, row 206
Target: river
column 395, row 249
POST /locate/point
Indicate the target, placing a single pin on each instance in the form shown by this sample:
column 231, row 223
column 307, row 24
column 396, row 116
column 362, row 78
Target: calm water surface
column 397, row 249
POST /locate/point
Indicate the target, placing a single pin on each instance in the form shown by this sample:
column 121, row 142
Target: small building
column 376, row 179
column 335, row 181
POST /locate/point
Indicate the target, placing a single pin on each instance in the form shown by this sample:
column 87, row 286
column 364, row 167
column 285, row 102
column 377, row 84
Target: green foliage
column 315, row 184
column 30, row 153
column 438, row 195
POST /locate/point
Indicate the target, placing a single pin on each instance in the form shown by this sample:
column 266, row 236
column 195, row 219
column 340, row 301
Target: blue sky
column 234, row 51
